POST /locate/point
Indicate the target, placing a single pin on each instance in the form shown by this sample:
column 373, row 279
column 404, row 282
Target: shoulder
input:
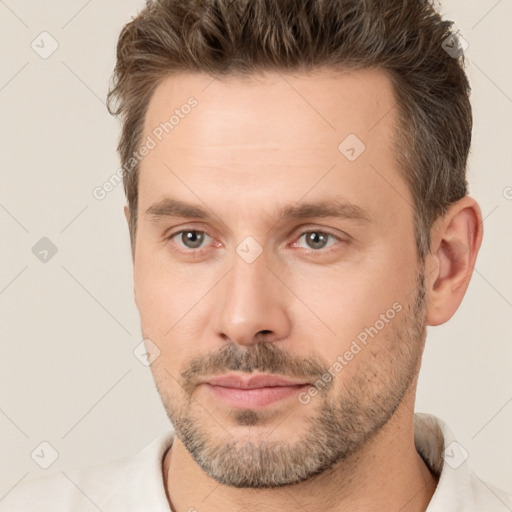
column 486, row 496
column 458, row 488
column 123, row 484
column 471, row 494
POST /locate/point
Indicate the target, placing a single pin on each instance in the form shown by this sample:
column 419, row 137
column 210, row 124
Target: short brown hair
column 406, row 39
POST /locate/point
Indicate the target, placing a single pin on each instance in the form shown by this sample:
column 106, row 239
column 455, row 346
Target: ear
column 455, row 242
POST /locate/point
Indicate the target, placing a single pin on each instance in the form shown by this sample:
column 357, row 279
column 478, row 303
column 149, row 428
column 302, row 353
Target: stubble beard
column 343, row 422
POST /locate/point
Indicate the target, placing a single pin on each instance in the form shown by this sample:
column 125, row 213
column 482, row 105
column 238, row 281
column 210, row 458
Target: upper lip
column 257, row 381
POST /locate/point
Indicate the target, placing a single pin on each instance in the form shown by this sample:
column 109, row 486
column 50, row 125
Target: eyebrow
column 335, row 208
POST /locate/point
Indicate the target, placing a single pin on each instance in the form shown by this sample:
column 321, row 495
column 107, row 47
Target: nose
column 252, row 304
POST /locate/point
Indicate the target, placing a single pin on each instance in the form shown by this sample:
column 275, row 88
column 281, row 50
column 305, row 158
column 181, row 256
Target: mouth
column 255, row 392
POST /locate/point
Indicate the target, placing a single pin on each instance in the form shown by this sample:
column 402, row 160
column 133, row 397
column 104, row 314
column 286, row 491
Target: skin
column 249, row 148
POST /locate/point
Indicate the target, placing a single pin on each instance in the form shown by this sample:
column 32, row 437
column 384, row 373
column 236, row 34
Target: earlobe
column 454, row 250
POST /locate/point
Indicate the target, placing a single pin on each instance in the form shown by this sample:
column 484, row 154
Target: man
column 298, row 213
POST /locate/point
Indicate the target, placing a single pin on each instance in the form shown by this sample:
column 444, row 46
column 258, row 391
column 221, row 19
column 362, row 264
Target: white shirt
column 135, row 483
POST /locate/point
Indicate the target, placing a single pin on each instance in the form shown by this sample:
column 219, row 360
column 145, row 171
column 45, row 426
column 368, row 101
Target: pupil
column 194, row 238
column 314, row 237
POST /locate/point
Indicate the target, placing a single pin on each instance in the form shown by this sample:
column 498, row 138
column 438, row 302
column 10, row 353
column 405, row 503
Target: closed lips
column 260, row 381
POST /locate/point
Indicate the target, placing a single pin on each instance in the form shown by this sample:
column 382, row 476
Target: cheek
column 357, row 312
column 343, row 300
column 171, row 311
column 160, row 290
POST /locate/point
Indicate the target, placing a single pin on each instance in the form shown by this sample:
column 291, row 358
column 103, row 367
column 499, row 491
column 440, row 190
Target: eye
column 190, row 238
column 192, row 241
column 317, row 239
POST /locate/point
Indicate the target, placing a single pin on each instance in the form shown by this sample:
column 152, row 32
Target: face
column 275, row 237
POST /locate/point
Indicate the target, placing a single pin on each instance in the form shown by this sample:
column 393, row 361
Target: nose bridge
column 249, row 278
column 251, row 300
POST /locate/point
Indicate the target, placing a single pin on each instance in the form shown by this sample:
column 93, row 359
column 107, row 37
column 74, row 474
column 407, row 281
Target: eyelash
column 199, row 252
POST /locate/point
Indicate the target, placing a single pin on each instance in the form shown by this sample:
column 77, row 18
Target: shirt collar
column 458, row 489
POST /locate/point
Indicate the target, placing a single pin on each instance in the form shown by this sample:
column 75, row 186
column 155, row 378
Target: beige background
column 67, row 372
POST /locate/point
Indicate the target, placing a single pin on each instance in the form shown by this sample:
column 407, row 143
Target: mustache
column 265, row 357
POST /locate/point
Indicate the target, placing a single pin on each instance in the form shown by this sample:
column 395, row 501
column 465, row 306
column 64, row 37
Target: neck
column 386, row 474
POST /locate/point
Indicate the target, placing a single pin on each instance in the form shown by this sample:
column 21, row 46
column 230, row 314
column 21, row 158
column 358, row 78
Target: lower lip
column 254, row 398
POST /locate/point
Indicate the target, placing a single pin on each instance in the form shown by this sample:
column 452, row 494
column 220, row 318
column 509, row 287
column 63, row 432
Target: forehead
column 276, row 133
column 273, row 110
